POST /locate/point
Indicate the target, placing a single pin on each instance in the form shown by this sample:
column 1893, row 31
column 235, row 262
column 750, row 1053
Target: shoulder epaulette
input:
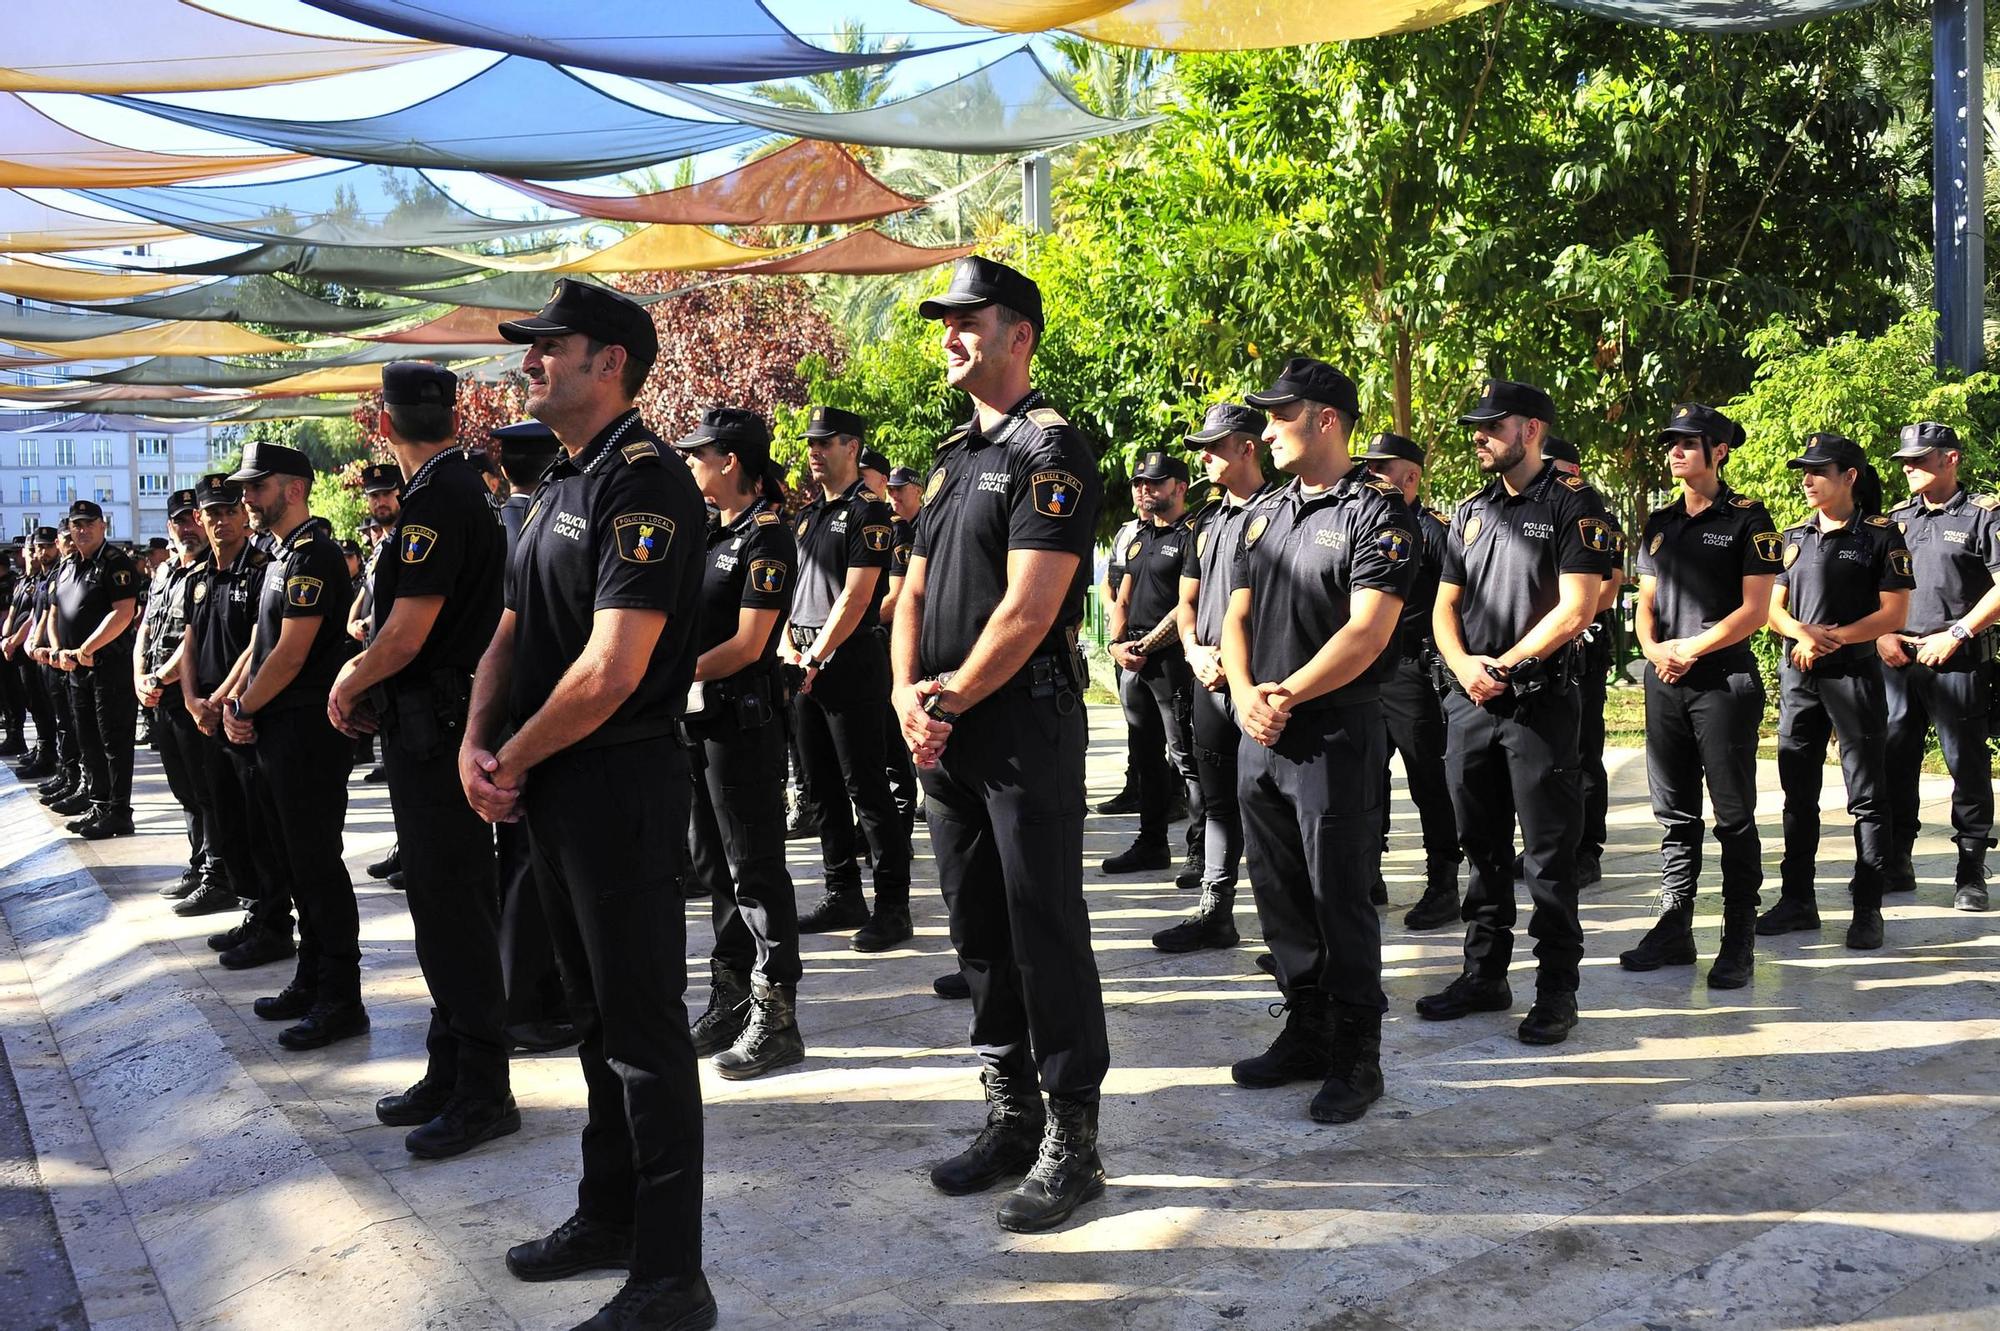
column 1380, row 486
column 1745, row 501
column 1047, row 417
column 957, row 434
column 1877, row 520
column 1576, row 483
column 1988, row 502
column 767, row 518
column 641, row 450
column 259, row 556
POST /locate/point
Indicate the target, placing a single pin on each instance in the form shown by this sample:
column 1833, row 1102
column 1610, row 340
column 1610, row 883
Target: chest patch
column 1659, row 539
column 641, row 537
column 1473, row 525
column 570, row 526
column 936, row 484
column 1332, row 540
column 1254, row 530
column 1791, row 555
column 200, row 592
column 1131, row 552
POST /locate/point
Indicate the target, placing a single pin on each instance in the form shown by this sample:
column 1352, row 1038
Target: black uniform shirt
column 1698, row 563
column 222, row 609
column 1114, row 568
column 1210, row 558
column 1154, row 557
column 167, row 611
column 447, row 544
column 1302, row 556
column 1509, row 552
column 305, row 581
column 903, row 538
column 1837, row 577
column 1031, row 484
column 752, row 564
column 855, row 530
column 23, row 599
column 1413, row 631
column 85, row 591
column 617, row 527
column 1954, row 553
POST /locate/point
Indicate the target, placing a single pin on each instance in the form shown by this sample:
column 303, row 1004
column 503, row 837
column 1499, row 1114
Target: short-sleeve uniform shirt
column 903, row 539
column 1838, row 576
column 1954, row 555
column 1154, row 557
column 1210, row 558
column 1413, row 631
column 1303, row 555
column 1114, row 568
column 751, row 564
column 222, row 609
column 1698, row 562
column 616, row 527
column 446, row 543
column 306, row 579
column 167, row 610
column 85, row 591
column 1030, row 483
column 852, row 530
column 1509, row 552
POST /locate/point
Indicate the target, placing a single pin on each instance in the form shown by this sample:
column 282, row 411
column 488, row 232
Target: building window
column 65, row 489
column 102, row 491
column 152, row 445
column 185, row 480
column 31, row 490
column 100, row 452
column 30, row 521
column 31, row 453
column 65, row 452
column 150, row 482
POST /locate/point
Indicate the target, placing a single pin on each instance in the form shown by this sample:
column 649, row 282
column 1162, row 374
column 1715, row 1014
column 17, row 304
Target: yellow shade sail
column 1209, row 25
column 344, row 379
column 37, row 152
column 28, row 226
column 46, row 282
column 184, row 338
column 662, row 247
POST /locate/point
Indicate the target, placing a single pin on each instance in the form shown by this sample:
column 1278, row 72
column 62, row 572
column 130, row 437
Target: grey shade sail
column 19, row 324
column 292, row 408
column 1713, row 15
column 503, row 291
column 347, row 264
column 715, row 41
column 375, row 206
column 1011, row 105
column 208, row 372
column 518, row 117
column 264, row 300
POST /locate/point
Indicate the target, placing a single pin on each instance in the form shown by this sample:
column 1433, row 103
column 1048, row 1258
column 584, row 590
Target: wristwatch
column 1960, row 632
column 935, row 708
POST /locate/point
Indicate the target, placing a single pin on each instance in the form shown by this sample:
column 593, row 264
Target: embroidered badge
column 1899, row 563
column 200, row 592
column 767, row 575
column 416, row 543
column 936, row 484
column 1055, row 492
column 1254, row 530
column 876, row 537
column 1131, row 552
column 1472, row 526
column 302, row 593
column 1768, row 545
column 1596, row 535
column 1659, row 539
column 641, row 537
column 1394, row 543
column 1791, row 555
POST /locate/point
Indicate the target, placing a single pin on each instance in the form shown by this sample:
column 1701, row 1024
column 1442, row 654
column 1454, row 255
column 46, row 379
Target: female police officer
column 1706, row 564
column 738, row 841
column 1845, row 582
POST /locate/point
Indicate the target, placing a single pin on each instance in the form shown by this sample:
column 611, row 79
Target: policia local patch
column 1056, row 493
column 641, row 537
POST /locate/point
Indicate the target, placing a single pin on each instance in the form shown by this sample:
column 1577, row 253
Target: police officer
column 1155, row 687
column 1136, row 742
column 1706, row 565
column 737, row 838
column 1409, row 700
column 845, row 538
column 989, row 688
column 590, row 667
column 1228, row 442
column 93, row 628
column 1938, row 662
column 537, row 1011
column 67, row 786
column 13, row 691
column 224, row 592
column 22, row 625
column 157, row 665
column 437, row 598
column 1845, row 581
column 278, row 703
column 381, row 487
column 875, row 472
column 1522, row 575
column 1322, row 569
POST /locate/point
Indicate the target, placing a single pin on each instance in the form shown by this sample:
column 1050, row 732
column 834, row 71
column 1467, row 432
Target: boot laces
column 1058, row 1149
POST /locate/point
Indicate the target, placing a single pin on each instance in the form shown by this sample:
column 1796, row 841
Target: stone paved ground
column 1817, row 1149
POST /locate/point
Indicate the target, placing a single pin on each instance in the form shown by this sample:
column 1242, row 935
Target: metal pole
column 1037, row 214
column 1958, row 176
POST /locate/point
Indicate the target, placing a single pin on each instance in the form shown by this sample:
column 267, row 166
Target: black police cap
column 733, row 430
column 904, row 476
column 1697, row 419
column 874, row 461
column 156, row 543
column 262, row 459
column 84, row 508
column 1919, row 439
column 1227, row 418
column 179, row 502
column 1557, row 449
column 381, row 478
column 977, row 282
column 1386, row 446
column 1157, row 465
column 1826, row 449
column 45, row 536
column 1313, row 380
column 826, row 422
column 525, row 439
column 418, row 383
column 596, row 312
column 1501, row 398
column 351, row 547
column 217, row 488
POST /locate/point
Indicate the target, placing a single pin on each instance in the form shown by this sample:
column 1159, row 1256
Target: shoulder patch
column 1047, row 417
column 1597, row 535
column 876, row 537
column 1055, row 492
column 1987, row 501
column 415, row 542
column 641, row 450
column 641, row 537
column 767, row 518
column 1876, row 520
column 767, row 576
column 1899, row 563
column 1767, row 544
column 1394, row 543
column 302, row 592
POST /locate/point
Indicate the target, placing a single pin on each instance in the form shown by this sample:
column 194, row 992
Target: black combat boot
column 464, row 1122
column 577, row 1245
column 417, row 1105
column 770, row 1038
column 728, row 1008
column 70, row 805
column 1142, row 856
column 1969, row 882
column 213, row 897
column 1550, row 1020
column 1738, row 954
column 889, row 926
column 1465, row 995
column 1066, row 1172
column 1670, row 942
column 1194, row 865
column 1213, row 923
column 1300, row 1053
column 1439, row 905
column 1791, row 915
column 657, row 1303
column 1006, row 1145
column 840, row 908
column 1900, row 873
column 258, row 947
column 294, row 1000
column 1864, row 931
column 1125, row 801
column 1354, row 1076
column 952, row 986
column 189, row 880
column 388, row 864
column 108, row 821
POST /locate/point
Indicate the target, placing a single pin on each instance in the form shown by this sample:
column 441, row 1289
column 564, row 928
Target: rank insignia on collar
column 766, row 518
column 1576, row 483
column 1056, row 492
column 302, row 593
column 1047, row 417
column 1876, row 520
column 416, row 543
column 640, row 449
column 767, row 575
column 641, row 537
column 1987, row 501
column 1743, row 501
column 936, row 484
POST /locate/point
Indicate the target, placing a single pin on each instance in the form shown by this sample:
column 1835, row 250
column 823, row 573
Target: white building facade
column 128, row 465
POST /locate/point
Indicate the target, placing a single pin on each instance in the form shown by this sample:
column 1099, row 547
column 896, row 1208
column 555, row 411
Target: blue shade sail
column 518, row 117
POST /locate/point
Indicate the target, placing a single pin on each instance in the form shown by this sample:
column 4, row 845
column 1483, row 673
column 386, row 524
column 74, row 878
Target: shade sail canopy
column 18, row 322
column 367, row 206
column 353, row 379
column 1714, row 15
column 503, row 291
column 656, row 248
column 349, row 264
column 115, row 417
column 38, row 281
column 1011, row 105
column 173, row 46
column 186, row 339
column 204, row 372
column 862, row 252
column 38, row 152
column 28, row 226
column 465, row 327
column 78, row 394
column 517, row 118
column 804, row 183
column 293, row 408
column 264, row 300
